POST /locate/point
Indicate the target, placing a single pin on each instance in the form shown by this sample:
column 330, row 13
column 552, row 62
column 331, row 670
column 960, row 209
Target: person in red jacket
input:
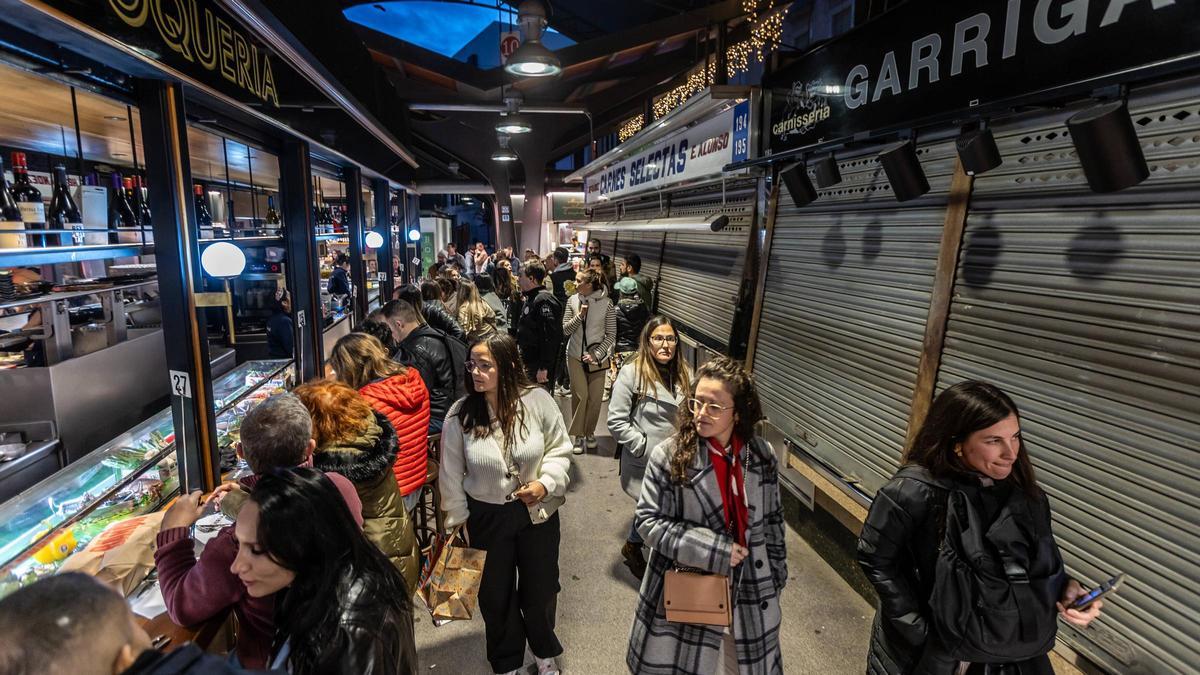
column 398, row 393
column 276, row 434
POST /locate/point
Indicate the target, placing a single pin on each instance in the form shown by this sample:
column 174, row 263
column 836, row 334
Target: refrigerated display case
column 133, row 474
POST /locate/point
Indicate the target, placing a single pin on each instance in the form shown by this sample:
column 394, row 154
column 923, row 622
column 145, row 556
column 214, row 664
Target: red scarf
column 727, row 466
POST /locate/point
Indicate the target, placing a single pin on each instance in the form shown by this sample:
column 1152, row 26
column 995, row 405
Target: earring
column 958, row 450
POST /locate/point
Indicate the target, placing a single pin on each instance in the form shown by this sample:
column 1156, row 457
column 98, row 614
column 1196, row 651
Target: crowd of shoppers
column 320, row 562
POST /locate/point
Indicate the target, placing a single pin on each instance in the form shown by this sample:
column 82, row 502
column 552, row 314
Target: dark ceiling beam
column 655, row 31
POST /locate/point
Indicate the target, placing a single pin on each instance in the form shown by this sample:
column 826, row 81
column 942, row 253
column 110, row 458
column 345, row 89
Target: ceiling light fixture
column 511, row 120
column 504, row 154
column 532, row 58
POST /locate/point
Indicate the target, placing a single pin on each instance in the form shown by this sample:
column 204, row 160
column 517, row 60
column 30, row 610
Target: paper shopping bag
column 450, row 591
column 122, row 555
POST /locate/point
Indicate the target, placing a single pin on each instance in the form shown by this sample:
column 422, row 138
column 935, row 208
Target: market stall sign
column 567, row 206
column 931, row 60
column 698, row 152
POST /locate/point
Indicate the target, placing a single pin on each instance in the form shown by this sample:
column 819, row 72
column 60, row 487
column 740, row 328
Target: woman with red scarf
column 710, row 501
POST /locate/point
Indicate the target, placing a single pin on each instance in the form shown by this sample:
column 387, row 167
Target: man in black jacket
column 562, row 274
column 539, row 328
column 425, row 349
column 433, row 311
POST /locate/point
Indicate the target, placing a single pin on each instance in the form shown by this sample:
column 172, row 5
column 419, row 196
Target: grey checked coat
column 686, row 524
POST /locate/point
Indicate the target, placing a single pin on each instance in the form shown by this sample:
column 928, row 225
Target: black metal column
column 177, row 259
column 384, row 226
column 356, row 230
column 295, row 193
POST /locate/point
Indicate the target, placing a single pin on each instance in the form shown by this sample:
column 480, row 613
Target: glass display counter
column 133, row 474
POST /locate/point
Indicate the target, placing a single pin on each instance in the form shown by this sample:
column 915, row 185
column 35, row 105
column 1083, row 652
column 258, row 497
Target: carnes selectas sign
column 932, row 60
column 699, row 151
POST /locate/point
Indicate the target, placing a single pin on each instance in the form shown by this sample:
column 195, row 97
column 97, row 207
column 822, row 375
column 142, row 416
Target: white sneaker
column 518, row 671
column 562, row 391
column 547, row 666
column 578, row 447
column 591, row 442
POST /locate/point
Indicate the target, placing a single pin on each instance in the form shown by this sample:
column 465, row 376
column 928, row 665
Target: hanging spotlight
column 1108, row 147
column 532, row 59
column 827, row 172
column 977, row 151
column 795, row 179
column 504, row 154
column 904, row 170
column 511, row 120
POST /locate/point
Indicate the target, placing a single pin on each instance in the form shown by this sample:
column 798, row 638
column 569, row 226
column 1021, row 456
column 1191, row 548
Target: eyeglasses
column 663, row 339
column 481, row 366
column 699, row 407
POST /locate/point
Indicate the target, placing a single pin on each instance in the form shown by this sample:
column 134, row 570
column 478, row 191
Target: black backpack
column 985, row 606
column 457, row 349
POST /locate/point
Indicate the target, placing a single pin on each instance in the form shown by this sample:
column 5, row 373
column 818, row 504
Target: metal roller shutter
column 702, row 271
column 648, row 246
column 1086, row 309
column 843, row 318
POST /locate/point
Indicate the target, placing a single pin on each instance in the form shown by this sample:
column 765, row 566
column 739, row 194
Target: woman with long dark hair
column 970, row 444
column 505, row 458
column 342, row 607
column 710, row 501
column 647, row 397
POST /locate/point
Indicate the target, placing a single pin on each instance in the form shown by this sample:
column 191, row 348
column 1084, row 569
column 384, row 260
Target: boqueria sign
column 698, row 152
column 200, row 40
column 931, row 60
column 207, row 39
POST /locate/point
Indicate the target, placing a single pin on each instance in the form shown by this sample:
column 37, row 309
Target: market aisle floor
column 826, row 625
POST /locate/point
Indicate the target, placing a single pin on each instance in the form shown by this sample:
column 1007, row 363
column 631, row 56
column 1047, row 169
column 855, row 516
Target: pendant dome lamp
column 504, row 154
column 532, row 58
column 511, row 120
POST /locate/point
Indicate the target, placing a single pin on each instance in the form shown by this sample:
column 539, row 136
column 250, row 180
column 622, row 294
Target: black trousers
column 518, row 594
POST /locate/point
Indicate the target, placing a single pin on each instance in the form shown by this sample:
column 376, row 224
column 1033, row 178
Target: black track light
column 1108, row 147
column 977, row 151
column 904, row 170
column 827, row 172
column 795, row 179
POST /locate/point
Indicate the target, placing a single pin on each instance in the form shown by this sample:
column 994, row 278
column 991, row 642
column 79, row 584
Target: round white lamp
column 374, row 240
column 414, row 235
column 223, row 260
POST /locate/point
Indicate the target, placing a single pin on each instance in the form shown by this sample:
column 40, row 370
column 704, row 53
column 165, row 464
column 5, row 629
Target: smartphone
column 1085, row 600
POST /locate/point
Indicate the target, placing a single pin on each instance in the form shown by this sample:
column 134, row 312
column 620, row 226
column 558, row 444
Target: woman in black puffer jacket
column 970, row 442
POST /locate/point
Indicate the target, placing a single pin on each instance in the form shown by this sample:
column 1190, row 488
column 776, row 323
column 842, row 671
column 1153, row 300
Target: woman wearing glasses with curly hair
column 710, row 501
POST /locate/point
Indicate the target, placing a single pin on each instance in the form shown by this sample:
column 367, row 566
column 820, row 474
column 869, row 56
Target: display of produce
column 133, row 474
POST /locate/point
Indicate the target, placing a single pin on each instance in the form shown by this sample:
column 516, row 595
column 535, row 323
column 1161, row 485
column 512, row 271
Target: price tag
column 381, row 276
column 181, row 384
column 301, row 320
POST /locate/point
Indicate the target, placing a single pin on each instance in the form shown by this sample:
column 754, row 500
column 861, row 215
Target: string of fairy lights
column 766, row 27
column 630, row 127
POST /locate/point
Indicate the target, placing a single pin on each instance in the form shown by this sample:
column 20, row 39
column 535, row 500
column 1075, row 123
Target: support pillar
column 356, row 230
column 384, row 226
column 302, row 274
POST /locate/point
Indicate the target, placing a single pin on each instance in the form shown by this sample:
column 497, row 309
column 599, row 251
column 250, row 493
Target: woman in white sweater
column 505, row 458
column 590, row 324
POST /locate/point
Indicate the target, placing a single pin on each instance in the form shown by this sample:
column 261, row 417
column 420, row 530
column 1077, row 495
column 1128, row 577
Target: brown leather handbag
column 696, row 597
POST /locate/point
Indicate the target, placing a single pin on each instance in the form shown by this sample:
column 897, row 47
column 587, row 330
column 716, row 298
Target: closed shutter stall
column 647, row 245
column 843, row 316
column 702, row 271
column 1086, row 309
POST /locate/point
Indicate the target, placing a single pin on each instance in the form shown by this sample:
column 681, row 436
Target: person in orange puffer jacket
column 396, row 392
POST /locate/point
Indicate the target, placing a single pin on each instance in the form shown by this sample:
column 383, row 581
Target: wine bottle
column 10, row 216
column 143, row 198
column 120, row 213
column 272, row 214
column 63, row 214
column 29, row 201
column 203, row 214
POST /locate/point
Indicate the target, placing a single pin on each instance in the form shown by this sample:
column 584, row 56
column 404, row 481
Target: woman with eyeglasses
column 646, row 399
column 505, row 458
column 710, row 501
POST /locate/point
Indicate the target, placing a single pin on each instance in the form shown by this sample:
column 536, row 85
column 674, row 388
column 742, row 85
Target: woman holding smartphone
column 710, row 501
column 505, row 458
column 590, row 326
column 970, row 444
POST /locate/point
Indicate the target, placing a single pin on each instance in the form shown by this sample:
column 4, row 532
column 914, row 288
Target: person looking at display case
column 275, row 434
column 281, row 334
column 72, row 623
column 342, row 607
column 358, row 442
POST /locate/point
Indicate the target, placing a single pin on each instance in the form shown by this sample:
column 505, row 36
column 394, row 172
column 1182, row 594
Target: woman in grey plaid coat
column 685, row 519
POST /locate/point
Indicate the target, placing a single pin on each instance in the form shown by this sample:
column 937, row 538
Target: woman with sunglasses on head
column 710, row 501
column 590, row 326
column 646, row 399
column 970, row 450
column 505, row 458
column 341, row 606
